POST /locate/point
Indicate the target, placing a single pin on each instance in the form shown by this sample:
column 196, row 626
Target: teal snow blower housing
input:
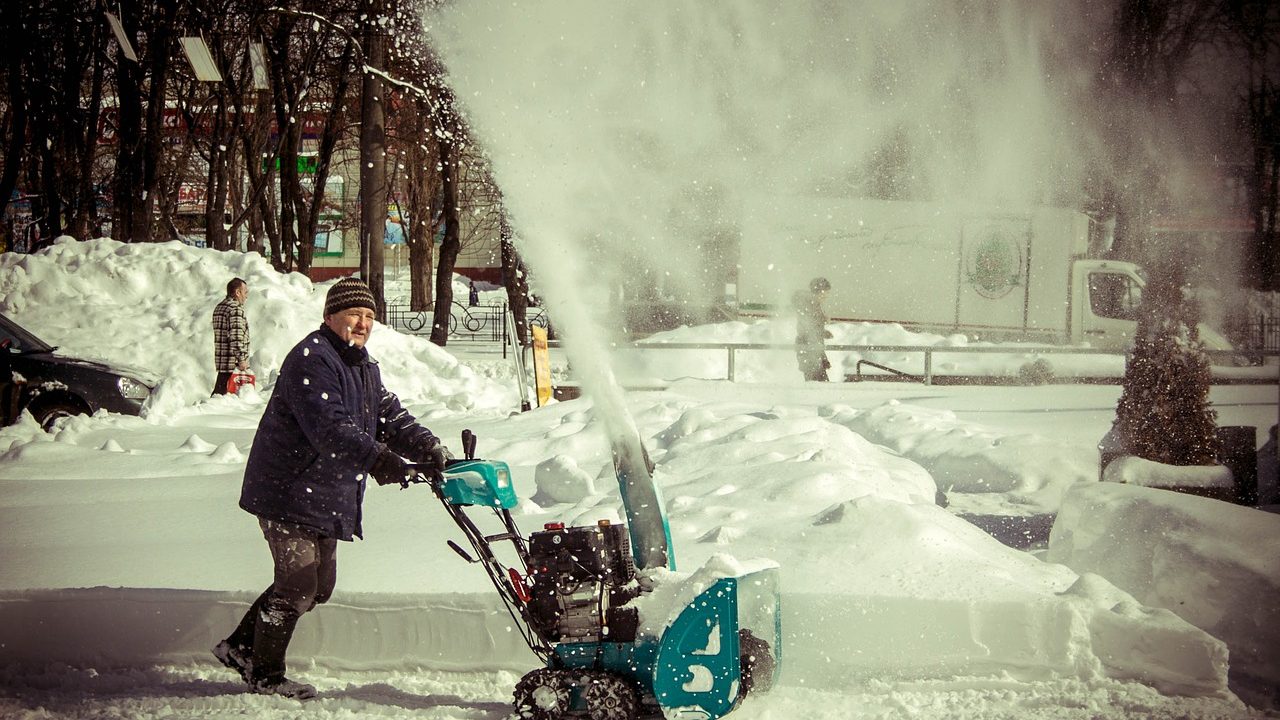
column 587, row 605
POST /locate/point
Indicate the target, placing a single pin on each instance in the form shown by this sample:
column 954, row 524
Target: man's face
column 353, row 325
column 241, row 293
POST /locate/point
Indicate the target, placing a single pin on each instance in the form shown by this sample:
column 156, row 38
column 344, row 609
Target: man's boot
column 272, row 632
column 237, row 649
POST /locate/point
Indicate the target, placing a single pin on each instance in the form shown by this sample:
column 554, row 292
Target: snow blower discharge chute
column 588, row 604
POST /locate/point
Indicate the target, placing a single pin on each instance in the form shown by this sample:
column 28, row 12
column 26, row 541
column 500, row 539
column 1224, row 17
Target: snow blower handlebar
column 472, row 483
column 429, row 473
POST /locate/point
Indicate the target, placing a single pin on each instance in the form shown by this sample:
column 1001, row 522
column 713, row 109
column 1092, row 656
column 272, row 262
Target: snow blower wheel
column 543, row 695
column 610, row 697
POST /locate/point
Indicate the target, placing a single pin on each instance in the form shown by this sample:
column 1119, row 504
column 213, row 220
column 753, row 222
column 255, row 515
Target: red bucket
column 239, row 380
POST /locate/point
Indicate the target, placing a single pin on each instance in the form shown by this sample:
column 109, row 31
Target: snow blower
column 619, row 638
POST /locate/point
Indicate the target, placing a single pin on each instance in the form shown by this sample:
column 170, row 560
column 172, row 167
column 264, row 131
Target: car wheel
column 48, row 413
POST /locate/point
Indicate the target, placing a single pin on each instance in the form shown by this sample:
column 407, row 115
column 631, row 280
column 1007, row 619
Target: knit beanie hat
column 348, row 293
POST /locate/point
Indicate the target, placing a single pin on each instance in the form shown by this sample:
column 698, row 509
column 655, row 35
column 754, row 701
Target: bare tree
column 516, row 279
column 141, row 89
column 310, row 58
column 1151, row 44
column 1252, row 28
column 53, row 71
column 422, row 186
column 13, row 105
column 447, row 184
column 449, row 133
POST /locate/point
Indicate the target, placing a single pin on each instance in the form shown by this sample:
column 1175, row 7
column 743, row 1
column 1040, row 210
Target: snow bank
column 116, row 627
column 1134, row 470
column 981, row 470
column 149, row 305
column 922, row 593
column 1211, row 562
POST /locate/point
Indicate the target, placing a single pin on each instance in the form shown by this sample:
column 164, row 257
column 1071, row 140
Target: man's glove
column 389, row 468
column 435, row 461
column 426, row 450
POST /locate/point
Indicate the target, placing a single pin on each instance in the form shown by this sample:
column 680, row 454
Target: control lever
column 469, row 445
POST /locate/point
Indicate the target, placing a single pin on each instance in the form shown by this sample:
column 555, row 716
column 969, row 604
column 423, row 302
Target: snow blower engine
column 581, row 597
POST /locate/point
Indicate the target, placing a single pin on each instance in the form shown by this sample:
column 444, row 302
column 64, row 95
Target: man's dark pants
column 306, row 568
column 220, row 383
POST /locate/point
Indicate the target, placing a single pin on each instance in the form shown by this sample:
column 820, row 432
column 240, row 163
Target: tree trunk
column 516, row 282
column 1264, row 267
column 421, row 183
column 373, row 159
column 450, row 245
column 159, row 49
column 127, row 184
column 420, row 261
column 17, row 111
column 221, row 151
column 254, row 146
column 50, row 216
column 86, row 209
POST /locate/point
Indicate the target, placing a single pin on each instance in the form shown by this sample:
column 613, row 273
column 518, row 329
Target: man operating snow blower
column 330, row 423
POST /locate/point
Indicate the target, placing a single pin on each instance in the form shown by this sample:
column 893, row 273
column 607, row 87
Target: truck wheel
column 542, row 695
column 610, row 697
column 756, row 663
column 48, row 412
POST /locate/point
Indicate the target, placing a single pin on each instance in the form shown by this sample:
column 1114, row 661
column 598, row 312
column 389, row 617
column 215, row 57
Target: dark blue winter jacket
column 328, row 418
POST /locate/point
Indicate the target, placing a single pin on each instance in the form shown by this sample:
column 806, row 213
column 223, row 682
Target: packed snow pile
column 1133, row 470
column 1211, row 562
column 980, row 470
column 149, row 305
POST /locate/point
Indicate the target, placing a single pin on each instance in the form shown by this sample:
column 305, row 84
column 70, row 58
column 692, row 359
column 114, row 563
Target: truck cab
column 1109, row 292
column 1105, row 315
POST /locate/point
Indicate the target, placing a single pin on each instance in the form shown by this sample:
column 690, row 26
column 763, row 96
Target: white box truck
column 991, row 274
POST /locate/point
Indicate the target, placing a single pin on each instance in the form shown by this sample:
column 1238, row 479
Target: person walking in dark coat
column 811, row 330
column 230, row 336
column 330, row 424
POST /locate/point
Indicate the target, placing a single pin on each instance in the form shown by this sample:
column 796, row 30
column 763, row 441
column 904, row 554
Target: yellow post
column 541, row 365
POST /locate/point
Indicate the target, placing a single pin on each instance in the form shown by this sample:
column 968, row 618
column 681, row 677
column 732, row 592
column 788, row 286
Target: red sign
column 191, row 197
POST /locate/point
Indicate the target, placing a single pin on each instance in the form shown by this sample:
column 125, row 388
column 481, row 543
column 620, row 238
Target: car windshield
column 19, row 339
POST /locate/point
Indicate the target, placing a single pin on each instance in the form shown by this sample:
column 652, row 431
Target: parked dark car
column 53, row 386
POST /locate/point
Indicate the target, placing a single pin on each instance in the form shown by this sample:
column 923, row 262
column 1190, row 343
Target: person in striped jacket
column 230, row 335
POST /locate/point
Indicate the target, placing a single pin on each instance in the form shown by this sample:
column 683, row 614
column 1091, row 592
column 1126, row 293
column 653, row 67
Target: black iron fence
column 481, row 323
column 1262, row 334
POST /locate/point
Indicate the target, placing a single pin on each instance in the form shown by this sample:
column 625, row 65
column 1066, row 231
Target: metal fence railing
column 1262, row 333
column 1228, row 366
column 480, row 323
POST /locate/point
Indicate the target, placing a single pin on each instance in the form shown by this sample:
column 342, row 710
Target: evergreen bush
column 1164, row 413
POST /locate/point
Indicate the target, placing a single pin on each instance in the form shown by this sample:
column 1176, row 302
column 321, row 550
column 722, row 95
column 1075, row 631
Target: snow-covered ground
column 125, row 556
